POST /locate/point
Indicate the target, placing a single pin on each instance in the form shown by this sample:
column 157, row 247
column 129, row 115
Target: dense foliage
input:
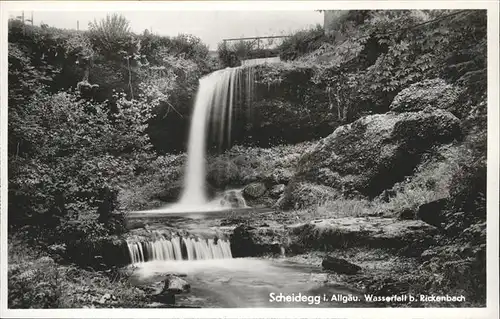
column 362, row 69
column 83, row 110
column 92, row 114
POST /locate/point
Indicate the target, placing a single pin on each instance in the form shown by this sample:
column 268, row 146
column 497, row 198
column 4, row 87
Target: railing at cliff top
column 255, row 47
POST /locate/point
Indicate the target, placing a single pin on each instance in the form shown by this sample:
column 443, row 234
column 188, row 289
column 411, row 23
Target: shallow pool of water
column 248, row 282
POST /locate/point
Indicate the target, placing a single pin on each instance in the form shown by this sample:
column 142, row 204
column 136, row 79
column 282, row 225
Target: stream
column 243, row 282
column 247, row 282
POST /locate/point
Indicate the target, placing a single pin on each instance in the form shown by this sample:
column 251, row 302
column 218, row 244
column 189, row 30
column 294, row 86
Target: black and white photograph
column 211, row 157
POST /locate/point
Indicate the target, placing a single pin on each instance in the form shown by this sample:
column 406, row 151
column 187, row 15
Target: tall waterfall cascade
column 214, row 108
column 221, row 96
column 179, row 248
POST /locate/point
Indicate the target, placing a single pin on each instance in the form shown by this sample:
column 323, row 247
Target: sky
column 210, row 26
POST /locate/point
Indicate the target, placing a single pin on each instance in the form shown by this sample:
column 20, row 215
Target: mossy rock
column 370, row 155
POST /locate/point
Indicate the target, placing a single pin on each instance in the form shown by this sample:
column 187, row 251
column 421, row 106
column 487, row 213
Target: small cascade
column 233, row 198
column 179, row 248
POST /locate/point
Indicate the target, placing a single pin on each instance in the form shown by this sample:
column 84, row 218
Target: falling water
column 217, row 95
column 179, row 248
column 215, row 106
column 260, row 61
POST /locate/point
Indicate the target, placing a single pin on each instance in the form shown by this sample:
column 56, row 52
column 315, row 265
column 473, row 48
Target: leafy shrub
column 68, row 151
column 302, row 42
column 227, row 57
column 468, row 195
column 361, row 71
column 108, row 59
column 36, row 287
column 36, row 281
column 83, row 236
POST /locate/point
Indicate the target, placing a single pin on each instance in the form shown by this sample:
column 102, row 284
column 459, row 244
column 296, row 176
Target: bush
column 36, row 281
column 227, row 57
column 36, row 284
column 302, row 42
column 68, row 152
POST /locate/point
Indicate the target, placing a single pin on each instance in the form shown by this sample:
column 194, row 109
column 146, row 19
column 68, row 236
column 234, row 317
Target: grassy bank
column 37, row 280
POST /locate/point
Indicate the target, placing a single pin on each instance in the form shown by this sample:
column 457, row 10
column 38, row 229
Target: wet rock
column 340, row 266
column 247, row 241
column 370, row 155
column 254, row 190
column 114, row 251
column 175, row 285
column 278, row 110
column 232, row 199
column 172, row 285
column 232, row 221
column 133, row 224
column 433, row 213
column 375, row 232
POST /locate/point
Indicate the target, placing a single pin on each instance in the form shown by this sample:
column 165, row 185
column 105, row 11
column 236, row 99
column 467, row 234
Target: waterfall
column 217, row 94
column 179, row 248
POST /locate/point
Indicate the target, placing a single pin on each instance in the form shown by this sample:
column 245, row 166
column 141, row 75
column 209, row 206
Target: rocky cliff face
column 373, row 153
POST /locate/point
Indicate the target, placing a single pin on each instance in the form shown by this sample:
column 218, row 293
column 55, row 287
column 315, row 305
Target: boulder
column 433, row 213
column 434, row 93
column 114, row 251
column 247, row 241
column 232, row 199
column 175, row 285
column 373, row 232
column 165, row 291
column 340, row 266
column 373, row 153
column 254, row 190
